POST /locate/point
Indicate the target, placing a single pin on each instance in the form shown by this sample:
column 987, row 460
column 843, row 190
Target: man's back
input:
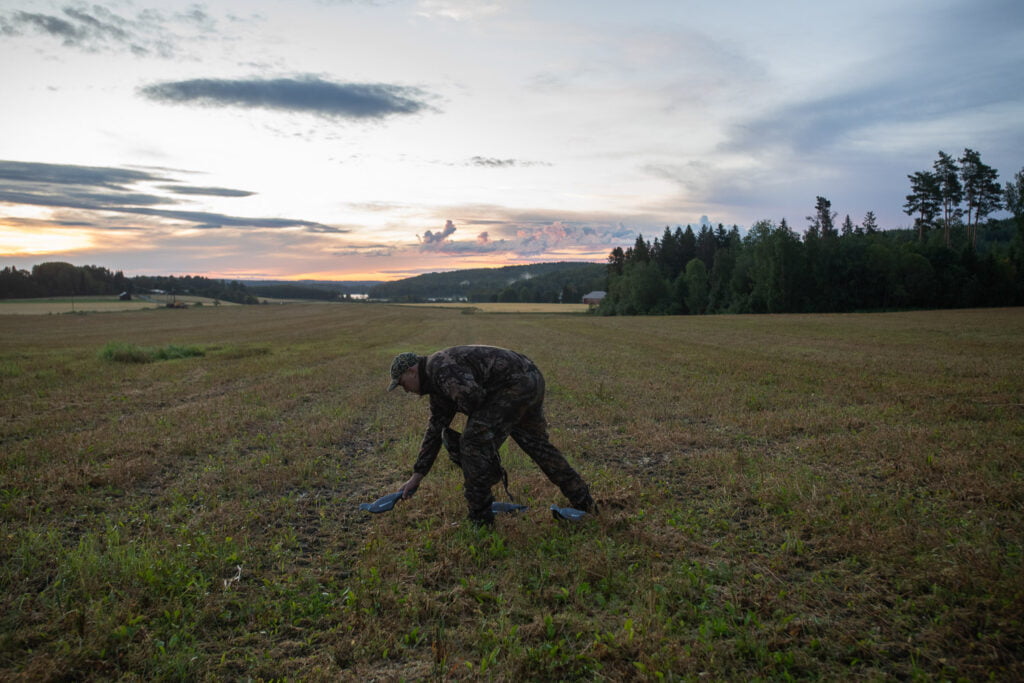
column 465, row 373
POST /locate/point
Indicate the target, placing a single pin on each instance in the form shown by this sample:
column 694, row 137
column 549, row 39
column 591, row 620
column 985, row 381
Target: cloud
column 75, row 198
column 488, row 162
column 524, row 237
column 44, row 23
column 554, row 236
column 308, row 94
column 112, row 190
column 367, row 250
column 821, row 123
column 961, row 60
column 206, row 191
column 74, row 187
column 204, row 219
column 435, row 240
column 25, row 171
column 94, row 28
column 491, row 162
column 458, row 10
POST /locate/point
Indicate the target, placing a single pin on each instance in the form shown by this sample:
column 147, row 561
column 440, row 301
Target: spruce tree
column 688, row 245
column 696, row 279
column 870, row 223
column 847, row 228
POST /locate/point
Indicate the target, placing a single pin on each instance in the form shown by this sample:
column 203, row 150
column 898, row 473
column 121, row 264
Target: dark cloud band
column 68, row 174
column 206, row 191
column 309, row 95
column 204, row 219
column 104, row 189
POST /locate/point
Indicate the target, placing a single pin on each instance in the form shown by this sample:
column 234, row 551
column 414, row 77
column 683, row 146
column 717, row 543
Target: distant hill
column 564, row 281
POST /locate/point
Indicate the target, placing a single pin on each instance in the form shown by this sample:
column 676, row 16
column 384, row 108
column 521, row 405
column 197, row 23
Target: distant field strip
column 88, row 305
column 34, row 307
column 508, row 307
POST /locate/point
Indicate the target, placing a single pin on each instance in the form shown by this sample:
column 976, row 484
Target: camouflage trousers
column 516, row 410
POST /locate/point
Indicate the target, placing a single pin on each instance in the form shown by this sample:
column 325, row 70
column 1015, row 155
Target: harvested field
column 782, row 497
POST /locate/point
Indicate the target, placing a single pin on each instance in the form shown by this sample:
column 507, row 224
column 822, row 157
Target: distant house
column 594, row 298
column 125, row 296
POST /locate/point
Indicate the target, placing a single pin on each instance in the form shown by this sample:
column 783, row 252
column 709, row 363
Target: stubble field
column 783, row 497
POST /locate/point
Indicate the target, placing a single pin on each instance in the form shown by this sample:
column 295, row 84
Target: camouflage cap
column 400, row 364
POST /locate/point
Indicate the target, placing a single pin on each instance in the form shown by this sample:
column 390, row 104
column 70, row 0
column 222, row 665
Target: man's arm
column 442, row 411
column 441, row 414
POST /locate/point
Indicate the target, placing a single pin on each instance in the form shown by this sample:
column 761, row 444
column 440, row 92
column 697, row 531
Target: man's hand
column 409, row 487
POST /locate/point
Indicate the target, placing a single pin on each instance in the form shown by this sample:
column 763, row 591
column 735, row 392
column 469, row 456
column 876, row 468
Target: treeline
column 64, row 279
column 196, row 285
column 60, row 279
column 292, row 291
column 953, row 257
column 772, row 269
column 562, row 282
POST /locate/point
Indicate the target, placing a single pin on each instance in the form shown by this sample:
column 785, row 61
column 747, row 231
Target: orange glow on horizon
column 18, row 242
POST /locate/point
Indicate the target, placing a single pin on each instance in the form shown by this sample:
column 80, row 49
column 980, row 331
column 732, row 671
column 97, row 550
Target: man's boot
column 581, row 500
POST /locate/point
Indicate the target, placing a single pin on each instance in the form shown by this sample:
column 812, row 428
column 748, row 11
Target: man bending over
column 501, row 392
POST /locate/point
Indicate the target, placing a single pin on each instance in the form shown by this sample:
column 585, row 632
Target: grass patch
column 120, row 352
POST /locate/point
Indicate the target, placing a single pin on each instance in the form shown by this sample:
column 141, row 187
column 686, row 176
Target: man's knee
column 482, row 473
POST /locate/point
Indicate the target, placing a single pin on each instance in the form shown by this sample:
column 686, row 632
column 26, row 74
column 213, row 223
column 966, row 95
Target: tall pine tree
column 982, row 193
column 951, row 192
column 925, row 200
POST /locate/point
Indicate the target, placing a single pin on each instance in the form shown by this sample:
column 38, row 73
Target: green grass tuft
column 120, row 352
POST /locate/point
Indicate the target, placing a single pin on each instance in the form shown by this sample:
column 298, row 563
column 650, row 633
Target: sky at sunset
column 379, row 139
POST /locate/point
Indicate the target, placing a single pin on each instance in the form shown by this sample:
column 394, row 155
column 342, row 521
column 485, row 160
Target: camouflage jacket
column 459, row 380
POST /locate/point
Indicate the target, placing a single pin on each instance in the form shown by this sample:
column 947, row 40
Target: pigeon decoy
column 382, row 504
column 568, row 514
column 498, row 506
